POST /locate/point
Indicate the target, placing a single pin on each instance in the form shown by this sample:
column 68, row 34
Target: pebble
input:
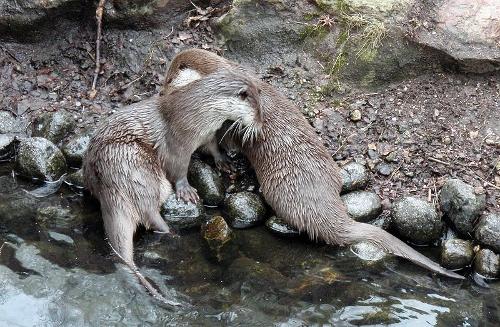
column 207, row 182
column 182, row 215
column 416, row 220
column 219, row 238
column 279, row 226
column 384, row 169
column 362, row 206
column 61, row 238
column 487, row 263
column 53, row 126
column 355, row 115
column 487, row 231
column 456, row 253
column 245, row 209
column 461, row 205
column 354, row 177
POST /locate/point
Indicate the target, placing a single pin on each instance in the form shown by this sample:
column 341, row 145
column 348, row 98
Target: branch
column 98, row 15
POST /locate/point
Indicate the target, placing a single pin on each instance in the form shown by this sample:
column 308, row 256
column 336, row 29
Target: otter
column 137, row 152
column 298, row 177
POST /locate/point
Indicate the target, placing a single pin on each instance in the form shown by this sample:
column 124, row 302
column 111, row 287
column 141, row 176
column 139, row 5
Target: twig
column 98, row 15
column 1, row 247
column 439, row 161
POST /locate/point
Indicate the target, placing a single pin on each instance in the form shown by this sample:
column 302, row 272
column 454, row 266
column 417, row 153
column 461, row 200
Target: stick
column 1, row 247
column 98, row 15
column 439, row 161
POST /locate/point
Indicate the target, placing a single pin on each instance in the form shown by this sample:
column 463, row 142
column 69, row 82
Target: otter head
column 237, row 98
column 190, row 65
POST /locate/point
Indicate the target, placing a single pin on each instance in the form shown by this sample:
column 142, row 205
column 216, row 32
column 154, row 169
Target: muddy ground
column 412, row 134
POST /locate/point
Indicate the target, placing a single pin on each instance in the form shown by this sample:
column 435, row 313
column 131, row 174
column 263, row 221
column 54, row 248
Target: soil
column 412, row 135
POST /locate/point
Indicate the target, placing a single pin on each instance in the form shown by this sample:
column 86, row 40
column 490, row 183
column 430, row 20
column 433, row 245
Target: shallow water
column 56, row 270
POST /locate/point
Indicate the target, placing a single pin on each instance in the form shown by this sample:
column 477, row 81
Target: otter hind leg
column 120, row 230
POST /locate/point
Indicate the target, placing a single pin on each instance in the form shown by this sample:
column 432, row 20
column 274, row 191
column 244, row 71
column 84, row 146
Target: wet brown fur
column 298, row 177
column 132, row 153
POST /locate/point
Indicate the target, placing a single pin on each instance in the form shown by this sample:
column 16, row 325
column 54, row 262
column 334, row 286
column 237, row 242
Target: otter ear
column 243, row 93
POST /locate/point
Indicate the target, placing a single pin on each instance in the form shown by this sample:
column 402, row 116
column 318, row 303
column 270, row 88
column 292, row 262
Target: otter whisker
column 229, row 129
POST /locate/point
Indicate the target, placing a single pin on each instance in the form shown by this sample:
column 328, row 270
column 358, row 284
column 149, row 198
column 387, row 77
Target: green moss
column 312, row 31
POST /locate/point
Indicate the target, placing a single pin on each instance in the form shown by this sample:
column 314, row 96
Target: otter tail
column 391, row 244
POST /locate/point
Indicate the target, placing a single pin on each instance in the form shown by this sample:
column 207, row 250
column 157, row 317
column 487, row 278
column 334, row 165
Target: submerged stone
column 280, row 226
column 245, row 209
column 207, row 182
column 416, row 220
column 219, row 238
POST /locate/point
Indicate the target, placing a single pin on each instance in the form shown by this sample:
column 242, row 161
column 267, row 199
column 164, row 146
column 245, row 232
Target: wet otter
column 298, row 177
column 136, row 151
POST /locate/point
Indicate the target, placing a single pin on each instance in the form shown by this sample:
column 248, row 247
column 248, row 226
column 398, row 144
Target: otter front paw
column 223, row 164
column 186, row 192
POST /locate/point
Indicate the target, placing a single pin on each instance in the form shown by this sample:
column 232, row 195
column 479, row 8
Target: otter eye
column 243, row 94
column 182, row 66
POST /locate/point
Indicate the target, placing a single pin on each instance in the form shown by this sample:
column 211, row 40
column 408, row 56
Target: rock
column 355, row 115
column 61, row 238
column 461, row 205
column 354, row 177
column 219, row 238
column 279, row 226
column 6, row 146
column 51, row 217
column 76, row 179
column 384, row 169
column 207, row 182
column 466, row 31
column 488, row 231
column 26, row 13
column 75, row 148
column 40, row 158
column 487, row 263
column 245, row 269
column 53, row 126
column 416, row 220
column 245, row 209
column 362, row 206
column 182, row 215
column 456, row 253
column 9, row 124
column 368, row 251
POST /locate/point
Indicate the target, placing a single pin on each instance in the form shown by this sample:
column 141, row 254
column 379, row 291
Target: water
column 49, row 280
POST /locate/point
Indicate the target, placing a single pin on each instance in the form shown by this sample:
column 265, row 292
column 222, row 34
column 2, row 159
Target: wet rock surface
column 6, row 146
column 362, row 206
column 219, row 238
column 487, row 263
column 39, row 158
column 461, row 205
column 75, row 179
column 53, row 126
column 488, row 231
column 354, row 177
column 368, row 251
column 245, row 209
column 75, row 148
column 279, row 226
column 182, row 215
column 456, row 253
column 207, row 182
column 416, row 220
